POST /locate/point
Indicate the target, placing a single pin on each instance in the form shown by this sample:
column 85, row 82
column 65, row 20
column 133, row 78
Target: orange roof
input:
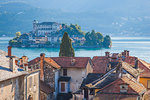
column 51, row 62
column 47, row 60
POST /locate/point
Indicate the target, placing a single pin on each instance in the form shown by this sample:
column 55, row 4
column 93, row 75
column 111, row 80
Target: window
column 64, row 72
column 62, row 87
column 123, row 88
column 148, row 84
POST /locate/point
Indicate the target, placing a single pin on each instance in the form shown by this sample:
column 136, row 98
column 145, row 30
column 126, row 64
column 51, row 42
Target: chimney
column 12, row 63
column 25, row 62
column 107, row 54
column 136, row 63
column 9, row 51
column 21, row 61
column 126, row 52
column 42, row 56
column 24, row 59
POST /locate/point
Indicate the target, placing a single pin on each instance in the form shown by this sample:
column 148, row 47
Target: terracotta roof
column 65, row 62
column 134, row 72
column 52, row 62
column 47, row 60
column 136, row 86
column 131, row 82
column 145, row 67
column 45, row 88
column 100, row 64
column 145, row 63
column 130, row 60
column 34, row 61
column 142, row 65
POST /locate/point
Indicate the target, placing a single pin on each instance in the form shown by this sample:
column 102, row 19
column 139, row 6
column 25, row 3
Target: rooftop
column 78, row 62
column 90, row 78
column 46, row 59
column 5, row 72
column 100, row 64
column 47, row 23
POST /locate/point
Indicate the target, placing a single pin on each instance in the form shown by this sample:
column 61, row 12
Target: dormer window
column 123, row 88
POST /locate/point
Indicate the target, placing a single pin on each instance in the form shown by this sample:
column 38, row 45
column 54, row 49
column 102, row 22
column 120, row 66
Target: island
column 49, row 34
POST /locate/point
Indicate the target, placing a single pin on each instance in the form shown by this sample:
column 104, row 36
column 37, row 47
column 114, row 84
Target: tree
column 66, row 48
column 18, row 34
column 107, row 43
column 100, row 37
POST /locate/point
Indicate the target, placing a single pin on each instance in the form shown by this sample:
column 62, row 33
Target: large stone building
column 49, row 74
column 15, row 82
column 45, row 28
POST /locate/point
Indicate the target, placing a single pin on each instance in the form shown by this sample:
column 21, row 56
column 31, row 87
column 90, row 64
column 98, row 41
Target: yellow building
column 145, row 74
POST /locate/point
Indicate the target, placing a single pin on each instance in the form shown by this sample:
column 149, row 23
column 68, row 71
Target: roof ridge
column 101, row 78
column 145, row 63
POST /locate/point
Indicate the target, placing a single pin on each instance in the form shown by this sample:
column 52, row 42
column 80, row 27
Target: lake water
column 138, row 46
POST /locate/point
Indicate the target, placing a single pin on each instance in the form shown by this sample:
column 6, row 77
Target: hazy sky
column 89, row 5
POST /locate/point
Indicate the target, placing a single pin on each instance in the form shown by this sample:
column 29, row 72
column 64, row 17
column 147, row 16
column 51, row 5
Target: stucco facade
column 12, row 89
column 32, row 86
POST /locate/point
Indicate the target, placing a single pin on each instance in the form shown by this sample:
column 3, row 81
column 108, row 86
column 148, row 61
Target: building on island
column 45, row 28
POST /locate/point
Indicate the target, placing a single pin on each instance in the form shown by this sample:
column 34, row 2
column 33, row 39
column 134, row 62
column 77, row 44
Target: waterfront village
column 49, row 34
column 115, row 76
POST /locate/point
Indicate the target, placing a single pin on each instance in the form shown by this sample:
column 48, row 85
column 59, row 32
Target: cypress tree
column 66, row 48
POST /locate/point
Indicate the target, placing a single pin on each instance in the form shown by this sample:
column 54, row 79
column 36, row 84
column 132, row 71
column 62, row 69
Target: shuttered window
column 62, row 87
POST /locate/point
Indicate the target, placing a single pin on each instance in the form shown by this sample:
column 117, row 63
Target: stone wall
column 49, row 75
column 12, row 89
